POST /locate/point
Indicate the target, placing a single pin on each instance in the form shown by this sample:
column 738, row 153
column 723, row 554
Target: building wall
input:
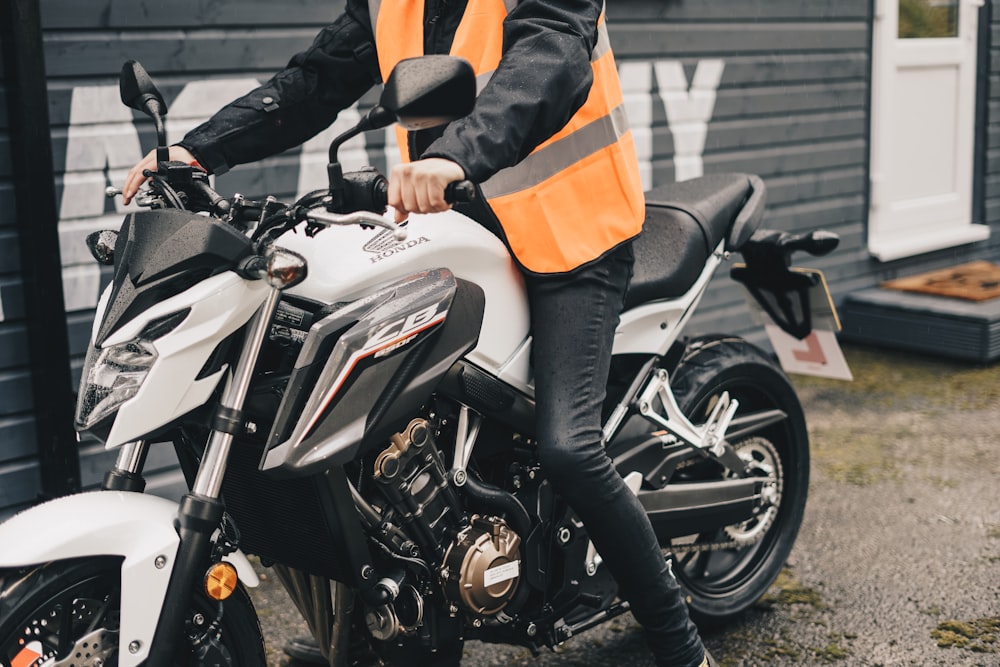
column 202, row 54
column 991, row 180
column 775, row 87
column 790, row 103
column 19, row 477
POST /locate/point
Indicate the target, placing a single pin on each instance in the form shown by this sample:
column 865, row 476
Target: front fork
column 127, row 473
column 201, row 511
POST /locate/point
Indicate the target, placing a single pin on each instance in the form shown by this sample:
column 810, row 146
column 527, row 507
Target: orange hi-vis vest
column 578, row 194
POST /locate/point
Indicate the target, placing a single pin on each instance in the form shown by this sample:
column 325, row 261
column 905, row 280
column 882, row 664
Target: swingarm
column 709, row 439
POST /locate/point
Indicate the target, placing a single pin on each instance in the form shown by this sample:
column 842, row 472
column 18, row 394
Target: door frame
column 889, row 246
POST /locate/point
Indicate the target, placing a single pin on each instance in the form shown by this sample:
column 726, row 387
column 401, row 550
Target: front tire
column 720, row 584
column 71, row 609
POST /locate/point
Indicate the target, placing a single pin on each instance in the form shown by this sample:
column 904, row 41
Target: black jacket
column 542, row 80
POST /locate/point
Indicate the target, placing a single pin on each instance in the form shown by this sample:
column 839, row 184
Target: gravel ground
column 898, row 559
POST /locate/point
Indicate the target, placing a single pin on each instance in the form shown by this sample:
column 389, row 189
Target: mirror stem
column 345, row 137
column 337, row 188
column 377, row 117
column 162, row 150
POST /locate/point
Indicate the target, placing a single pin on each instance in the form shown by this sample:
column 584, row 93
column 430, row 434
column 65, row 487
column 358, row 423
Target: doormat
column 976, row 281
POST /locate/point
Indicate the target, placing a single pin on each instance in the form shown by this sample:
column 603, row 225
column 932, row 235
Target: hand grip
column 460, row 192
column 219, row 203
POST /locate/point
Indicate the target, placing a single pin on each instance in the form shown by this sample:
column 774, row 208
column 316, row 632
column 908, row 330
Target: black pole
column 37, row 228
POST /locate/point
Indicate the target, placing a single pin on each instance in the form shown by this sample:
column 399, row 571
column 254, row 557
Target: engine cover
column 483, row 566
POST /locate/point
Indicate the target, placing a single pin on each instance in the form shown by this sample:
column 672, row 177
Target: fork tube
column 201, row 510
column 127, row 473
column 208, row 483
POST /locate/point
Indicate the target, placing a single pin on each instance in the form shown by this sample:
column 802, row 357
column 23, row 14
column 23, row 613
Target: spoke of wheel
column 700, row 563
column 685, row 559
column 65, row 632
column 98, row 616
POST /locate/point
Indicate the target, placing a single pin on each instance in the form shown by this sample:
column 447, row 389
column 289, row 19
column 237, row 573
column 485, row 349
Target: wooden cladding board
column 791, row 103
column 787, row 82
column 991, row 186
column 775, row 87
column 19, row 479
column 219, row 14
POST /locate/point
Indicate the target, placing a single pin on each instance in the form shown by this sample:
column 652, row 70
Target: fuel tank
column 346, row 263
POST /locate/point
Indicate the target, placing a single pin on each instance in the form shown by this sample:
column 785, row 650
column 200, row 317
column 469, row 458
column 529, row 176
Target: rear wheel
column 67, row 613
column 725, row 571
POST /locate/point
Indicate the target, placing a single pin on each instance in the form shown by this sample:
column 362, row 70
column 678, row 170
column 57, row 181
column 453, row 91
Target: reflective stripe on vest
column 578, row 194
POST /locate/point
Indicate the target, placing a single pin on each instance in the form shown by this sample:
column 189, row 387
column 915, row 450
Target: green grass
column 885, row 378
column 978, row 636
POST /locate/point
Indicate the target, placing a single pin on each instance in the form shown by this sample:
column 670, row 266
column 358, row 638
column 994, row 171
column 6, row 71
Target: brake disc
column 763, row 461
column 91, row 650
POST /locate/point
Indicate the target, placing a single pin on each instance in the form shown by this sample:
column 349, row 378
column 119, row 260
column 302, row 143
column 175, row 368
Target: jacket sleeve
column 543, row 78
column 298, row 102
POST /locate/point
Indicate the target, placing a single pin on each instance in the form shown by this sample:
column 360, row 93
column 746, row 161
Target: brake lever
column 317, row 220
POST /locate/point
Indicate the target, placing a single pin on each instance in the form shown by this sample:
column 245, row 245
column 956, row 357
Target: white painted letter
column 101, row 146
column 637, row 89
column 688, row 110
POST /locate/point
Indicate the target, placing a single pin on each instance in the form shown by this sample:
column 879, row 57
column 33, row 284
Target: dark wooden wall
column 775, row 87
column 991, row 135
column 20, row 480
column 19, row 476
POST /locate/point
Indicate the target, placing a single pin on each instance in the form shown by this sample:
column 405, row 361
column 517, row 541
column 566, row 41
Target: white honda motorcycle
column 367, row 430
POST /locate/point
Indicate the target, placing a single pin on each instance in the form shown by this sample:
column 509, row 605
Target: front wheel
column 723, row 572
column 68, row 613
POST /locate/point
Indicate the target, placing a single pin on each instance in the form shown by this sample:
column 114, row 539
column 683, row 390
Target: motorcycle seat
column 685, row 222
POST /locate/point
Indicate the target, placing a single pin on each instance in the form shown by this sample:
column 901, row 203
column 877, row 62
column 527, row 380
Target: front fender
column 110, row 523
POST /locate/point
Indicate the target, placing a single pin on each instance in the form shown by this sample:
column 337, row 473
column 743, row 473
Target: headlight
column 114, row 374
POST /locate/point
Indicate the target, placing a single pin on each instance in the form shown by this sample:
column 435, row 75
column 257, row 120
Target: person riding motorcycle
column 549, row 146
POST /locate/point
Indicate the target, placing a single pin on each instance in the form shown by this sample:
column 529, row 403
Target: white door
column 923, row 122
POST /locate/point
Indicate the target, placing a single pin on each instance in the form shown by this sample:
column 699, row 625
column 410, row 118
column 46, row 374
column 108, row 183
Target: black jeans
column 573, row 322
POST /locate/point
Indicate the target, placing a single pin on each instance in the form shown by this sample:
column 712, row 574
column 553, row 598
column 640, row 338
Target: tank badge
column 384, row 246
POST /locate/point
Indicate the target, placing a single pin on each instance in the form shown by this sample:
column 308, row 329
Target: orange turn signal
column 220, row 581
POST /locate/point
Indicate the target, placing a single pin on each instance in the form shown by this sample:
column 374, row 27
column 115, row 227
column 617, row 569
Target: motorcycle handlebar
column 460, row 192
column 456, row 192
column 218, row 203
column 366, row 188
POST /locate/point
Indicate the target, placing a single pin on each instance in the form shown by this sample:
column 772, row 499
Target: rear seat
column 684, row 224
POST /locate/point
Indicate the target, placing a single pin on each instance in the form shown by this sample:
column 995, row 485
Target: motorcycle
column 351, row 401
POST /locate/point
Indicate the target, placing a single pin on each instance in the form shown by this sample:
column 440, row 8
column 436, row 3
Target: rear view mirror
column 420, row 93
column 139, row 92
column 102, row 246
column 429, row 91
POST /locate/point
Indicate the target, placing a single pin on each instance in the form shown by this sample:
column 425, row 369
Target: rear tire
column 721, row 584
column 74, row 606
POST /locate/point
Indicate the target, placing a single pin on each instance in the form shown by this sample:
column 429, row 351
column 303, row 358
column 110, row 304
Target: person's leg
column 573, row 322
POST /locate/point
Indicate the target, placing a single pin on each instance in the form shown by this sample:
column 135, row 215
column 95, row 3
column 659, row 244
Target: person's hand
column 418, row 187
column 135, row 179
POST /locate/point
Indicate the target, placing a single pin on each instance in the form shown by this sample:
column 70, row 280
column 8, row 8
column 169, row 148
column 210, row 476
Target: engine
column 476, row 557
column 483, row 566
